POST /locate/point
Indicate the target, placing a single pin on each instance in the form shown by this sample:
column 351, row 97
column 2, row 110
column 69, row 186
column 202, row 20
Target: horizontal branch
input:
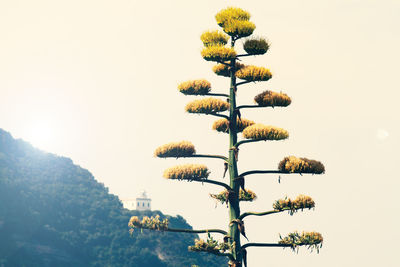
column 243, row 83
column 205, row 231
column 269, row 171
column 217, row 115
column 217, row 94
column 261, row 171
column 244, row 55
column 247, row 141
column 249, row 106
column 265, row 245
column 243, row 215
column 212, row 182
column 206, row 156
column 255, row 106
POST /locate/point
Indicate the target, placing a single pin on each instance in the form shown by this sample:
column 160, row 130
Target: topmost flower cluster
column 235, row 22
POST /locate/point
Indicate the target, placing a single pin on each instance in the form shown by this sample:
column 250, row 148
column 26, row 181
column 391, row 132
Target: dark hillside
column 54, row 213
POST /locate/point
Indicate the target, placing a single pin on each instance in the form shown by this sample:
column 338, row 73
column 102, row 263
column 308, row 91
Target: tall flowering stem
column 235, row 24
column 234, row 208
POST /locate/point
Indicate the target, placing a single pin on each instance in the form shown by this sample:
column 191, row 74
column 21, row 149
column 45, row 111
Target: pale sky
column 96, row 81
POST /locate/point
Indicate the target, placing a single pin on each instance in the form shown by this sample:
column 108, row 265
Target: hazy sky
column 96, row 81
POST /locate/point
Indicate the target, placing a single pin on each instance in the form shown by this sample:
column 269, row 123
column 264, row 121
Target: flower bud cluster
column 272, row 99
column 264, row 132
column 209, row 245
column 301, row 202
column 244, row 195
column 195, row 87
column 175, row 150
column 207, row 106
column 151, row 223
column 235, row 22
column 292, row 164
column 214, row 38
column 254, row 74
column 312, row 240
column 187, row 172
column 256, row 46
column 222, row 125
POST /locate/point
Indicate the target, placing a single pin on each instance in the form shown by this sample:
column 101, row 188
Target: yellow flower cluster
column 214, row 38
column 224, row 70
column 231, row 13
column 218, row 53
column 211, row 246
column 254, row 73
column 293, row 164
column 264, row 132
column 247, row 195
column 244, row 195
column 175, row 150
column 272, row 99
column 256, row 46
column 187, row 172
column 235, row 22
column 207, row 106
column 222, row 125
column 301, row 202
column 239, row 28
column 195, row 87
column 151, row 223
column 313, row 240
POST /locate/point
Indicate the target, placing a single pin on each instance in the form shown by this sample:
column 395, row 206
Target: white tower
column 143, row 202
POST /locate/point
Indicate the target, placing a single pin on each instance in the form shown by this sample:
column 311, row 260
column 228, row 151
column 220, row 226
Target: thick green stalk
column 234, row 209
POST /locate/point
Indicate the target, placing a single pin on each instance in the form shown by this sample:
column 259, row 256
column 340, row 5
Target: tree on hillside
column 235, row 25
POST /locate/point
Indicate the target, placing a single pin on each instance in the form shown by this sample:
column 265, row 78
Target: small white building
column 140, row 203
column 143, row 202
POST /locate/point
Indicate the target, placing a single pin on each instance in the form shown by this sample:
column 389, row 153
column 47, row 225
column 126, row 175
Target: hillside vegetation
column 54, row 213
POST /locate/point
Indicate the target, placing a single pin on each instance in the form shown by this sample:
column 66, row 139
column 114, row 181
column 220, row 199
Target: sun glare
column 41, row 135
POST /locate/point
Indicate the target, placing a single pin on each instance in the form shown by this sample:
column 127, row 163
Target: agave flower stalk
column 219, row 47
